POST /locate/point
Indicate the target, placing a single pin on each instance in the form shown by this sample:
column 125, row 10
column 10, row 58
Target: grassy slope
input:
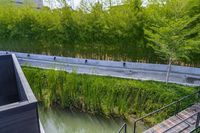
column 104, row 95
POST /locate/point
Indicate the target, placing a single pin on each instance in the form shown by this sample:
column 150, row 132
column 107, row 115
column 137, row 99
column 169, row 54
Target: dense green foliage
column 176, row 35
column 116, row 33
column 104, row 95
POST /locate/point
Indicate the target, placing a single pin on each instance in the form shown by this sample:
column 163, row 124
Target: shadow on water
column 61, row 121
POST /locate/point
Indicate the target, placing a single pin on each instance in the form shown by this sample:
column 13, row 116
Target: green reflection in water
column 60, row 121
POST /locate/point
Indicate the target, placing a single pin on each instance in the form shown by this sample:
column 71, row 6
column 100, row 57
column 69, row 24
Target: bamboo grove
column 114, row 33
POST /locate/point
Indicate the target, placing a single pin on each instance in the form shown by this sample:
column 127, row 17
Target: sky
column 54, row 3
column 74, row 3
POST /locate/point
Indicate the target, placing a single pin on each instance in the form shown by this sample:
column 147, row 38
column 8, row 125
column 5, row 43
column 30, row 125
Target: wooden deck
column 183, row 122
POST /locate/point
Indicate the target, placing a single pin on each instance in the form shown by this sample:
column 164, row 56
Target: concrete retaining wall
column 179, row 74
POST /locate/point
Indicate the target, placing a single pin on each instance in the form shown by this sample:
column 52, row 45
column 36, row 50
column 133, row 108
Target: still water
column 60, row 121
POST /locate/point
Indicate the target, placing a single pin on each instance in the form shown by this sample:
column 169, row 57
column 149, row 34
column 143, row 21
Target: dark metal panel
column 18, row 105
column 23, row 84
column 8, row 86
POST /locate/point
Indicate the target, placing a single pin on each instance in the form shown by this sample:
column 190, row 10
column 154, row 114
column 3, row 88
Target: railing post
column 125, row 128
column 177, row 107
column 134, row 128
column 197, row 121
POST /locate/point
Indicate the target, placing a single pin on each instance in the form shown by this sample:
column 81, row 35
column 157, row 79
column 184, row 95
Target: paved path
column 183, row 122
column 129, row 70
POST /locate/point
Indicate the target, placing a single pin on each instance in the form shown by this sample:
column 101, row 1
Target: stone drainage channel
column 131, row 70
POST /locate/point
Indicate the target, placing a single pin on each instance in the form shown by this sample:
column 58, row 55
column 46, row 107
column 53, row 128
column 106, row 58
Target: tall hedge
column 116, row 33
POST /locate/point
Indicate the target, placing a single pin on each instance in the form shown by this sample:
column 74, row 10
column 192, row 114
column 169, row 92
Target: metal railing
column 198, row 120
column 196, row 123
column 123, row 128
column 177, row 103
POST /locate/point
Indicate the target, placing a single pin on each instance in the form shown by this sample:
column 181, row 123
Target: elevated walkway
column 184, row 119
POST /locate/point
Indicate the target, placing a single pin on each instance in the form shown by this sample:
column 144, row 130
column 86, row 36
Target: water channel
column 62, row 121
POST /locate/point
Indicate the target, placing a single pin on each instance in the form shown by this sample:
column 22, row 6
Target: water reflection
column 59, row 121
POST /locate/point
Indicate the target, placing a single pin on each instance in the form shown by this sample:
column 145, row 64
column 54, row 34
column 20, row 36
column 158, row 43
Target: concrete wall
column 131, row 70
column 39, row 3
column 116, row 64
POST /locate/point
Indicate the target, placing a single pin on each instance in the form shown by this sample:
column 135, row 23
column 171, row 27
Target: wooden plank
column 184, row 127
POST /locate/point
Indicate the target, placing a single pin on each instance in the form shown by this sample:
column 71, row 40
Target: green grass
column 104, row 95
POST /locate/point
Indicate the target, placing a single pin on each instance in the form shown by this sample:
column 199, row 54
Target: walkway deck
column 183, row 122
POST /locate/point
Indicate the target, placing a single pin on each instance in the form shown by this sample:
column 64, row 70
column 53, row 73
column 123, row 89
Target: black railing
column 177, row 103
column 196, row 122
column 123, row 128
